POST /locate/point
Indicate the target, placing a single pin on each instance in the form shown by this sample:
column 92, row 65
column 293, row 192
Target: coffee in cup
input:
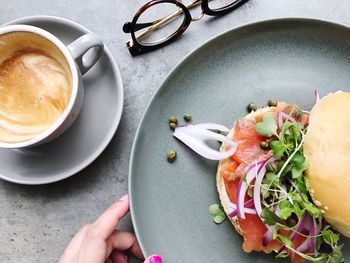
column 35, row 85
column 41, row 83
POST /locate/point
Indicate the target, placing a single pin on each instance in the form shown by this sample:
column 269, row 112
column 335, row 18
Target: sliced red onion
column 195, row 137
column 213, row 126
column 279, row 119
column 242, row 190
column 310, row 242
column 301, row 225
column 247, row 209
column 257, row 186
column 317, row 97
column 243, row 187
column 304, row 246
column 232, row 208
column 282, row 115
column 257, row 200
column 249, row 203
column 313, row 233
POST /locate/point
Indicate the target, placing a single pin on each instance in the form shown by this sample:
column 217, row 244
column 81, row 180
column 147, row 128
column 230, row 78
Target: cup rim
column 74, row 91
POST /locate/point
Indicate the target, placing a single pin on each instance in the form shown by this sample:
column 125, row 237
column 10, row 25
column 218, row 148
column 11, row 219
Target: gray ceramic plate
column 282, row 59
column 88, row 136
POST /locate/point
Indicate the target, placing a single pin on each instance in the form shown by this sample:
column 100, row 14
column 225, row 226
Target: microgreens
column 277, row 149
column 285, row 188
column 216, row 212
column 329, row 236
column 267, row 127
column 270, row 218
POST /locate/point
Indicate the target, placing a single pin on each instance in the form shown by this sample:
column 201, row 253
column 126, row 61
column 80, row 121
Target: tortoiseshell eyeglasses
column 148, row 30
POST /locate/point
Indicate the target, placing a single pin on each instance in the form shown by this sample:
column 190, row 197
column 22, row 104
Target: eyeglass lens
column 218, row 4
column 164, row 19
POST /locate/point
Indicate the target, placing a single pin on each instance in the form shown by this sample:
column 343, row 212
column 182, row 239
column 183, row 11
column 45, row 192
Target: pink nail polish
column 155, row 259
column 124, row 197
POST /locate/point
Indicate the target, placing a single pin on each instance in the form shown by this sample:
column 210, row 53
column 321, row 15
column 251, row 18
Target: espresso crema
column 35, row 85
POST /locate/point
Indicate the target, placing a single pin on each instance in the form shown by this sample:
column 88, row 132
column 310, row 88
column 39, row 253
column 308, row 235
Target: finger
column 154, row 259
column 119, row 257
column 77, row 240
column 74, row 245
column 93, row 248
column 121, row 240
column 108, row 221
column 136, row 250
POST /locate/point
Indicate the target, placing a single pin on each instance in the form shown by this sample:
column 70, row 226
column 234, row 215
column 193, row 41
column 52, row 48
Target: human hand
column 101, row 242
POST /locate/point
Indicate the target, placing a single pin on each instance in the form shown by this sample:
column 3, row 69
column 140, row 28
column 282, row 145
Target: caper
column 272, row 167
column 171, row 156
column 173, row 119
column 299, row 114
column 172, row 125
column 264, row 145
column 272, row 103
column 251, row 107
column 187, row 117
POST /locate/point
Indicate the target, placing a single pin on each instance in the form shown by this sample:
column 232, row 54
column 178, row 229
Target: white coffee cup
column 81, row 55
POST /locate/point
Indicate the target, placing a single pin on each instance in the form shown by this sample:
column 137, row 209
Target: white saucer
column 88, row 136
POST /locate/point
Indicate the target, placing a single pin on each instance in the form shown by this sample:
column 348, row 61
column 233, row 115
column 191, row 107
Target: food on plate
column 187, row 117
column 327, row 150
column 172, row 122
column 282, row 176
column 171, row 156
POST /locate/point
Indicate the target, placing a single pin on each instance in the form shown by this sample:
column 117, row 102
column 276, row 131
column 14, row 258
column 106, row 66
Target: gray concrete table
column 37, row 222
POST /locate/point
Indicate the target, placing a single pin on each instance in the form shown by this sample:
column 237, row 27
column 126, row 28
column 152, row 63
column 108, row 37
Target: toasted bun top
column 327, row 150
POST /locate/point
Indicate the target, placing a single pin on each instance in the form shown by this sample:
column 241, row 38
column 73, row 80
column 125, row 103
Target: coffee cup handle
column 86, row 51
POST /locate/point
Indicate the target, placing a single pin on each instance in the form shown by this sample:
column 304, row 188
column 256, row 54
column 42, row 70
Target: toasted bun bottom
column 327, row 150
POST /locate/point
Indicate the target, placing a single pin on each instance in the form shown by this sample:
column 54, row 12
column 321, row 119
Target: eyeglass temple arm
column 138, row 26
column 157, row 23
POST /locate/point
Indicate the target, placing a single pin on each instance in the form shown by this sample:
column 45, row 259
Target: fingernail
column 126, row 258
column 124, row 197
column 155, row 259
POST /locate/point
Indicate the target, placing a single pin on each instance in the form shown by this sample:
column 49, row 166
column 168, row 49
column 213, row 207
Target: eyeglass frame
column 136, row 48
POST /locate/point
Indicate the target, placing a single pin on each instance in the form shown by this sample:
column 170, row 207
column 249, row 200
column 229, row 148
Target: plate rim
column 172, row 72
column 119, row 112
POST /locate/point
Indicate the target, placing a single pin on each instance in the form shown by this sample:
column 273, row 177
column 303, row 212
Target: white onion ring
column 195, row 137
column 213, row 126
